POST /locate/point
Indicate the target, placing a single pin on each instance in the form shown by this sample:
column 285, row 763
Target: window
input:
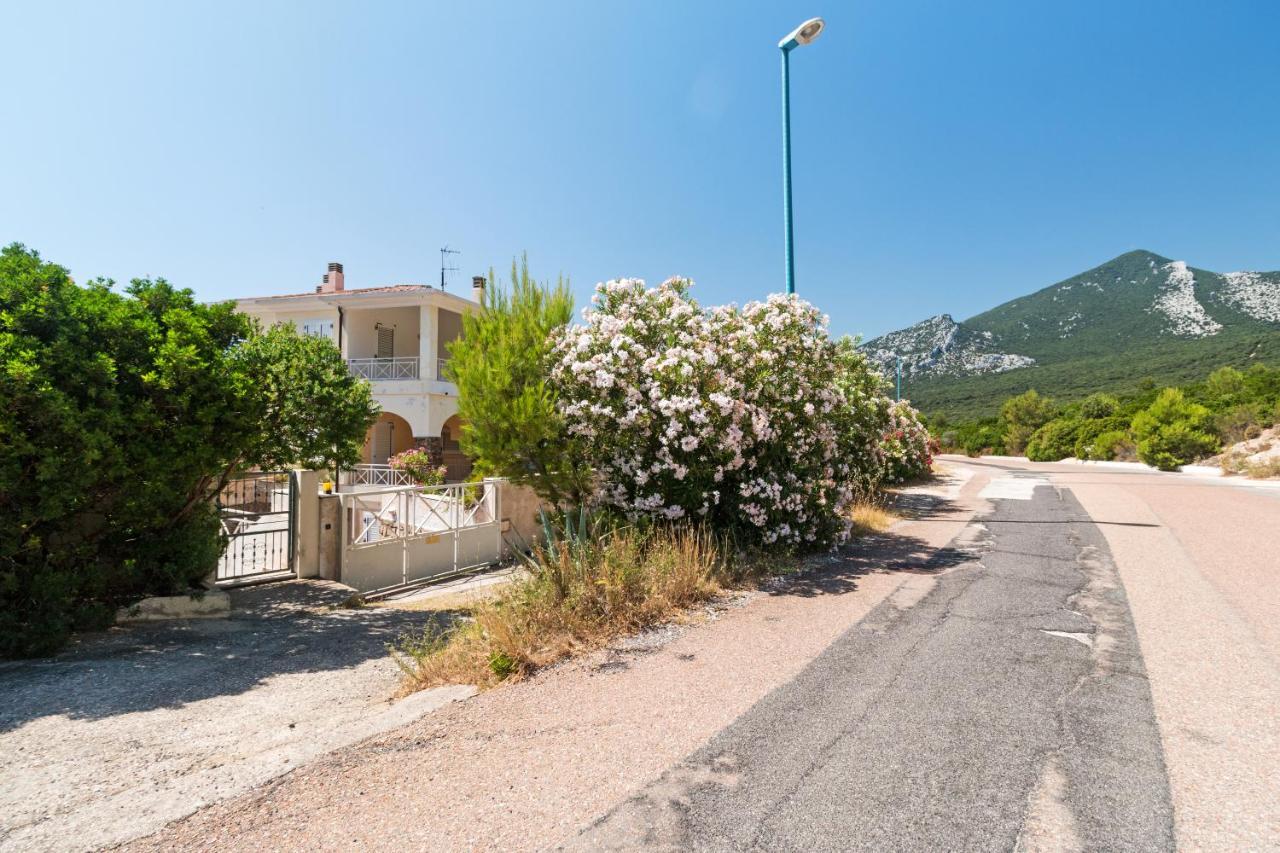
column 318, row 328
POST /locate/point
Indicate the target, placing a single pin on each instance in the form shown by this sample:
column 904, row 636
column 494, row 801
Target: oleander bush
column 752, row 420
column 906, row 447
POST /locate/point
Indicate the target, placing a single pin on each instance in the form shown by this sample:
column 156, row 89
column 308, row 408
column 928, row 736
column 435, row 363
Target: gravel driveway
column 134, row 728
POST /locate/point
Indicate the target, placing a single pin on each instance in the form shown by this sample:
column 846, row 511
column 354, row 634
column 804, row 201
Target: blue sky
column 948, row 156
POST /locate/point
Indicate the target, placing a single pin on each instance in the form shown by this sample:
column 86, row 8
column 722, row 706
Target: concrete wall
column 520, row 523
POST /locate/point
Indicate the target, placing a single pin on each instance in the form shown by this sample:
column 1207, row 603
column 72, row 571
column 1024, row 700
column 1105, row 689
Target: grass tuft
column 577, row 596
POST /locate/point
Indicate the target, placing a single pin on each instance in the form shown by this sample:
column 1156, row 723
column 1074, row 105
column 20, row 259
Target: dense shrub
column 906, row 447
column 1173, row 431
column 1113, row 444
column 1097, row 406
column 123, row 416
column 751, row 418
column 1053, row 441
column 1021, row 416
column 1096, row 439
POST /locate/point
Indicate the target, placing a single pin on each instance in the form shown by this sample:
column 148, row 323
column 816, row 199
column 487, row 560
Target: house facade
column 396, row 336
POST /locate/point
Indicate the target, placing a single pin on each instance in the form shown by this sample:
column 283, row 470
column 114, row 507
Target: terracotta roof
column 389, row 288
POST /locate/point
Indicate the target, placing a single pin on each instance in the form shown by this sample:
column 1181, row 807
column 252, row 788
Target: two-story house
column 397, row 337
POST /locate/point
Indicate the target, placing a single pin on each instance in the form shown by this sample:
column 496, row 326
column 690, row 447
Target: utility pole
column 444, row 260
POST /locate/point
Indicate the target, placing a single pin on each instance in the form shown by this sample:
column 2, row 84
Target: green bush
column 1088, row 437
column 123, row 416
column 1021, row 416
column 1053, row 441
column 1113, row 444
column 1097, row 406
column 1173, row 431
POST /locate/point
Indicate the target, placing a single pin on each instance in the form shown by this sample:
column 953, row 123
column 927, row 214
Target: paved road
column 1048, row 657
column 1011, row 707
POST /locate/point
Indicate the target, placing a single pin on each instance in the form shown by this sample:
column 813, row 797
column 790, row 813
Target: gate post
column 306, row 522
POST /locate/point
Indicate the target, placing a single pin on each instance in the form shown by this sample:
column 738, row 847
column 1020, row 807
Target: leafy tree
column 1098, row 406
column 124, row 416
column 1173, row 431
column 511, row 424
column 1021, row 416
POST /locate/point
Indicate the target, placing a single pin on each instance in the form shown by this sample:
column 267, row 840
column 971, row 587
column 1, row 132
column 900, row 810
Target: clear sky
column 948, row 155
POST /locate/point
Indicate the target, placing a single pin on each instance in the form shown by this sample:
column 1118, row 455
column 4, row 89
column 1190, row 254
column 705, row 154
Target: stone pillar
column 306, row 522
column 329, row 538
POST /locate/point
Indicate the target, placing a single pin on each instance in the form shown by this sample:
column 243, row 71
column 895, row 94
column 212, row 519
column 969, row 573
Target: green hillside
column 1137, row 317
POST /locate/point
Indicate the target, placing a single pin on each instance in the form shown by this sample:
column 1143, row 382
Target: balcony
column 391, row 369
column 384, row 369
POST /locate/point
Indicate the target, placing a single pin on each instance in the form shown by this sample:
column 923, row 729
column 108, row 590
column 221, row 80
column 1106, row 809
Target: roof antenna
column 444, row 259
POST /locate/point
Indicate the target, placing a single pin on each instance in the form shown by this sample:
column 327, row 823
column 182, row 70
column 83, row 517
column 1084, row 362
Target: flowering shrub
column 906, row 446
column 752, row 419
column 416, row 462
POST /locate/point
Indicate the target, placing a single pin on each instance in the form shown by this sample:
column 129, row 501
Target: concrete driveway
column 134, row 728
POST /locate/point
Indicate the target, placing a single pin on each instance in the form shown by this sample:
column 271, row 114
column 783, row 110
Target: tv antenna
column 444, row 262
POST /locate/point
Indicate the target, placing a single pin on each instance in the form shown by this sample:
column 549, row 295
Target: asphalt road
column 1044, row 657
column 1011, row 708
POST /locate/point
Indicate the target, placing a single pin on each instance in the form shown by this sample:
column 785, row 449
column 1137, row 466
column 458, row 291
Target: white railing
column 407, row 512
column 403, row 535
column 378, row 369
column 442, row 366
column 374, row 475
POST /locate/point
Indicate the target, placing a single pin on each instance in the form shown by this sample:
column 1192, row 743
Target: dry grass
column 871, row 515
column 578, row 596
column 1263, row 470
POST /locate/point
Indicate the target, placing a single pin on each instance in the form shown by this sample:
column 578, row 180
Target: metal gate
column 257, row 512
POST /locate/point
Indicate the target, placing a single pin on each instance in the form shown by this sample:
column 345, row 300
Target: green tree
column 1173, row 431
column 124, row 415
column 1098, row 406
column 1021, row 416
column 511, row 425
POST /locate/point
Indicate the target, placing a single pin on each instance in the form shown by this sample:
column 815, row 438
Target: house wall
column 362, row 334
column 297, row 318
column 450, row 328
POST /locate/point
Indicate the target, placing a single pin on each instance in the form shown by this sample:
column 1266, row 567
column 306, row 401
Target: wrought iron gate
column 257, row 512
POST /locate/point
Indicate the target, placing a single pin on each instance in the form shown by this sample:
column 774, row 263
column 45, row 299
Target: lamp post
column 803, row 34
column 899, row 394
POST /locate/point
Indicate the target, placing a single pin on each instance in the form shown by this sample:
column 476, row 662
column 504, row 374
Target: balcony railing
column 442, row 365
column 375, row 475
column 379, row 369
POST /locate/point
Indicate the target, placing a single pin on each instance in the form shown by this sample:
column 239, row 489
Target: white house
column 396, row 336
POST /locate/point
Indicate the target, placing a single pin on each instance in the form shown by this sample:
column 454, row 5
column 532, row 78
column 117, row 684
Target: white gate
column 403, row 535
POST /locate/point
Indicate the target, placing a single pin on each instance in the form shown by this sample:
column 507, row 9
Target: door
column 381, row 451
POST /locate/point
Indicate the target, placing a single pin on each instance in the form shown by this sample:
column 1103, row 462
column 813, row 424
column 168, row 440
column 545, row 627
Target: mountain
column 1135, row 317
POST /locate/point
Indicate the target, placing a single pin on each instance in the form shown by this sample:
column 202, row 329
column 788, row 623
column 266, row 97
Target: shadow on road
column 273, row 630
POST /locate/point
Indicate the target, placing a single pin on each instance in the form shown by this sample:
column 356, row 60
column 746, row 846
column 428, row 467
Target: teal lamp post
column 803, row 34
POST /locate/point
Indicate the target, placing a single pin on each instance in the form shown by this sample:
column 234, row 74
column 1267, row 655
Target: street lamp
column 803, row 34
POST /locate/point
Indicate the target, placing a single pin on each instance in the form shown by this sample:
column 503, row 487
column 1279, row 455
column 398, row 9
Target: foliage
column 727, row 415
column 1173, row 431
column 124, row 415
column 1097, row 406
column 581, row 590
column 906, row 448
column 1053, row 441
column 417, row 463
column 1021, row 416
column 512, row 425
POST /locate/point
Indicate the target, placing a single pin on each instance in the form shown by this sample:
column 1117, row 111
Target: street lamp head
column 803, row 34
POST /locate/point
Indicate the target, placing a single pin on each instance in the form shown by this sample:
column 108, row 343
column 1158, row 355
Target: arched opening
column 389, row 435
column 457, row 464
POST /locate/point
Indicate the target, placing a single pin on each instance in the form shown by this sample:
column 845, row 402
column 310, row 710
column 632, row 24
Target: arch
column 389, row 435
column 457, row 463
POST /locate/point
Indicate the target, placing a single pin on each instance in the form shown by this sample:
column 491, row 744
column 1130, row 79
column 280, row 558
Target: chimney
column 332, row 281
column 477, row 288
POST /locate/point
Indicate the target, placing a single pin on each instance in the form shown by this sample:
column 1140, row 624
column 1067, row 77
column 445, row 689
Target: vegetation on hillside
column 1164, row 427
